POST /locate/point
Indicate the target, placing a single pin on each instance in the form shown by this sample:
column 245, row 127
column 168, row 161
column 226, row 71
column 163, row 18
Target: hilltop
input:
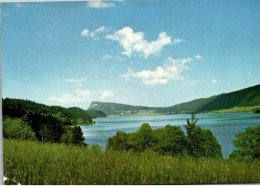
column 248, row 97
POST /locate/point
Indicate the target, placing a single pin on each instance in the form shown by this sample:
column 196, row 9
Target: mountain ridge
column 249, row 96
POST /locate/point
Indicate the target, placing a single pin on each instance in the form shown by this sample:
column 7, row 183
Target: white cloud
column 109, row 57
column 107, row 94
column 214, row 81
column 171, row 70
column 102, row 3
column 135, row 42
column 198, row 57
column 94, row 34
column 85, row 33
column 177, row 41
column 78, row 96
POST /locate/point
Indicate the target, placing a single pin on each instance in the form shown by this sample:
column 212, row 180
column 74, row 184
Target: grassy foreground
column 36, row 163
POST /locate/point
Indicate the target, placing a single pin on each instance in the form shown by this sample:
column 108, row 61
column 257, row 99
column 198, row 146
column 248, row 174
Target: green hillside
column 247, row 97
column 17, row 108
column 118, row 109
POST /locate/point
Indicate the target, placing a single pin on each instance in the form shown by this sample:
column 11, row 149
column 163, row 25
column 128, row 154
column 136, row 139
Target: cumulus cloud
column 101, row 3
column 78, row 96
column 107, row 94
column 171, row 70
column 94, row 34
column 134, row 42
column 214, row 81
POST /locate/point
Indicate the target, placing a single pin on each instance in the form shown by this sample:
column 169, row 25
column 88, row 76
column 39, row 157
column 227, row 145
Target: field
column 37, row 163
column 238, row 109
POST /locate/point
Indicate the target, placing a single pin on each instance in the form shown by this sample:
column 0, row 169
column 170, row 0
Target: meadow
column 31, row 162
column 251, row 109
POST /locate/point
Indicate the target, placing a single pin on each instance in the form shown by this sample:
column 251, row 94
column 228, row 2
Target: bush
column 169, row 140
column 201, row 143
column 14, row 128
column 73, row 135
column 248, row 143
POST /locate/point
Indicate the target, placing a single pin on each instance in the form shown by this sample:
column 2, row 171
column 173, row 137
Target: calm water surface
column 224, row 126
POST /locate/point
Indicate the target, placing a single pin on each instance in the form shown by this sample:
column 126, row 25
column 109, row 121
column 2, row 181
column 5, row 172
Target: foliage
column 248, row 143
column 190, row 126
column 73, row 135
column 201, row 142
column 46, row 127
column 18, row 108
column 57, row 164
column 44, row 123
column 169, row 140
column 14, row 128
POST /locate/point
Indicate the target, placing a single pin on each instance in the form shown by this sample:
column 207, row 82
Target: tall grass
column 36, row 163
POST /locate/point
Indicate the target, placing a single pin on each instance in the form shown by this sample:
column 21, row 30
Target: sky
column 145, row 52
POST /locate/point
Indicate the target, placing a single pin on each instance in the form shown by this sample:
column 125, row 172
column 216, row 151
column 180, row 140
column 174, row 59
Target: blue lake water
column 223, row 125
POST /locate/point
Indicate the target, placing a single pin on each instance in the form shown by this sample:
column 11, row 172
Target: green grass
column 238, row 109
column 36, row 163
column 146, row 112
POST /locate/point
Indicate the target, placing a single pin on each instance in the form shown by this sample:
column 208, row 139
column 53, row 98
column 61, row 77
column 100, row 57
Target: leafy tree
column 201, row 142
column 46, row 127
column 174, row 140
column 77, row 136
column 144, row 137
column 14, row 128
column 247, row 143
column 73, row 135
column 119, row 141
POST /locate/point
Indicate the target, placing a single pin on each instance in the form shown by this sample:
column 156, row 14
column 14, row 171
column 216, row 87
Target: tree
column 174, row 140
column 190, row 126
column 201, row 142
column 119, row 141
column 73, row 135
column 14, row 128
column 247, row 143
column 144, row 137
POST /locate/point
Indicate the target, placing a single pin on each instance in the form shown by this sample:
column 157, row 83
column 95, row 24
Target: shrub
column 201, row 142
column 248, row 143
column 73, row 135
column 14, row 128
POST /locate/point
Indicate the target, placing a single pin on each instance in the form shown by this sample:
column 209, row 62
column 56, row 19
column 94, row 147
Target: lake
column 223, row 125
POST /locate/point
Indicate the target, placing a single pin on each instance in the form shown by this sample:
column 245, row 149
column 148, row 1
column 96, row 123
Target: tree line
column 27, row 120
column 196, row 142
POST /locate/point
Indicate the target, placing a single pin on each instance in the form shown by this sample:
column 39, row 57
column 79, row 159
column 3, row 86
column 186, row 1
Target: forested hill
column 17, row 108
column 242, row 98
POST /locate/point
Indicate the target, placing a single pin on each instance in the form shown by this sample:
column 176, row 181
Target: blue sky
column 153, row 53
